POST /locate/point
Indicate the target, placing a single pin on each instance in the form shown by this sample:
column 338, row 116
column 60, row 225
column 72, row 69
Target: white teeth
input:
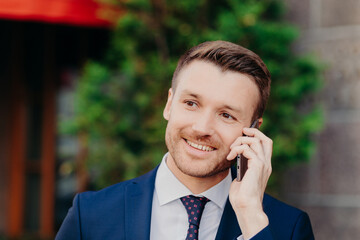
column 200, row 147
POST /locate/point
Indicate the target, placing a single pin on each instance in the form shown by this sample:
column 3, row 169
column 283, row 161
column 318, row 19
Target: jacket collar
column 229, row 227
column 138, row 204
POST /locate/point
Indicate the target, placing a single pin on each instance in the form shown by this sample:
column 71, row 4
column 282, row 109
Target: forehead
column 209, row 81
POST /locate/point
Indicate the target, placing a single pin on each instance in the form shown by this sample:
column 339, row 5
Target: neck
column 196, row 185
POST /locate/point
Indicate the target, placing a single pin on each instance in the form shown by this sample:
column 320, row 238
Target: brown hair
column 230, row 57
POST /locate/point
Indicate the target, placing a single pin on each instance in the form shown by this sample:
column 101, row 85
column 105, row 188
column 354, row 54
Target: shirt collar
column 169, row 188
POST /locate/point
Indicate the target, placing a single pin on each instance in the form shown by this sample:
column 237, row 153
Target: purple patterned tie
column 194, row 207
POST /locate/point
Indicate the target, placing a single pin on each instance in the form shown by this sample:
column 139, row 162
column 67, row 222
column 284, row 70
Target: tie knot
column 194, row 207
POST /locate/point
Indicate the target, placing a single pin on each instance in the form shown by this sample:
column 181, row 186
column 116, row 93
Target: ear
column 260, row 121
column 166, row 112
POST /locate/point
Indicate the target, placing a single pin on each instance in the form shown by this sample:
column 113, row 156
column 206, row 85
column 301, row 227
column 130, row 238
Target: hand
column 246, row 196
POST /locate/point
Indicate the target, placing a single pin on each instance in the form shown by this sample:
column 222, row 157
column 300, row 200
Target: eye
column 227, row 116
column 190, row 103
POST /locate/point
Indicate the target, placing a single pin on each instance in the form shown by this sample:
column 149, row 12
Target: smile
column 200, row 147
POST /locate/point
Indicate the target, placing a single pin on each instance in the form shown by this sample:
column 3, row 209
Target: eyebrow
column 188, row 93
column 232, row 108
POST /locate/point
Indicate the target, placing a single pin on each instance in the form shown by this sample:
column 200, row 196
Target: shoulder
column 286, row 220
column 114, row 195
column 102, row 213
column 279, row 208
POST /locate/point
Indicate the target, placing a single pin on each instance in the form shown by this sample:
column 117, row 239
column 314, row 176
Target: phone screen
column 241, row 161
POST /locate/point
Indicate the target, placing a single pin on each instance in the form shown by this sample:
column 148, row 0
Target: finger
column 267, row 143
column 235, row 151
column 265, row 151
column 258, row 165
column 244, row 149
column 254, row 143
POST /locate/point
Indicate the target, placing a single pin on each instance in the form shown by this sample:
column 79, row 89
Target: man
column 218, row 90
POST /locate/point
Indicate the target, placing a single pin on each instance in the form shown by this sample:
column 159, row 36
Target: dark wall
column 4, row 152
column 33, row 56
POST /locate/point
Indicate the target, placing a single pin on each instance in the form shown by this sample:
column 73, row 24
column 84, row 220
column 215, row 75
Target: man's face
column 205, row 114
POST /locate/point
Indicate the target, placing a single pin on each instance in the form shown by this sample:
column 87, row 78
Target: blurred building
column 42, row 43
column 329, row 187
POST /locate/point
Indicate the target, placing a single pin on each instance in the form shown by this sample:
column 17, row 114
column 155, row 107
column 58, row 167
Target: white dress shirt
column 169, row 219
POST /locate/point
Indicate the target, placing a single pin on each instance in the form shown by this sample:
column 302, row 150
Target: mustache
column 201, row 139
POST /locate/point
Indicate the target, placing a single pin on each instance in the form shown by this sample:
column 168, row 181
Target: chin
column 202, row 170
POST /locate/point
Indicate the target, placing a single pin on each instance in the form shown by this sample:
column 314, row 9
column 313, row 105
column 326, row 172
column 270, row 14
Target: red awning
column 73, row 12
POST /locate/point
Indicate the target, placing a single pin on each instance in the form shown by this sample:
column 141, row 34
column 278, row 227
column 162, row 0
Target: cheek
column 229, row 135
column 177, row 120
column 180, row 117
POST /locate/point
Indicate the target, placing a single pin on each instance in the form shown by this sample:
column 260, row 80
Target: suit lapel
column 138, row 205
column 229, row 227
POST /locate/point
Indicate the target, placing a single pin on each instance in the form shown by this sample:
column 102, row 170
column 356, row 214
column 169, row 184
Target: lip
column 200, row 146
column 197, row 152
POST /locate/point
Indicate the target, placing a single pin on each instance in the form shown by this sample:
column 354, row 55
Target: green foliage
column 120, row 99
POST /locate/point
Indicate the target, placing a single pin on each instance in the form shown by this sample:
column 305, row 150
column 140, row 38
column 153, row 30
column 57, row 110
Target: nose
column 204, row 124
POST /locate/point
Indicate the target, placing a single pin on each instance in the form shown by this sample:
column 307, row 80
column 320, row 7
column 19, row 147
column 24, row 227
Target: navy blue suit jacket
column 123, row 212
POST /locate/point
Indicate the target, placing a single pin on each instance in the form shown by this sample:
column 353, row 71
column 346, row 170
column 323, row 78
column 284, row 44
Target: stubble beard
column 210, row 168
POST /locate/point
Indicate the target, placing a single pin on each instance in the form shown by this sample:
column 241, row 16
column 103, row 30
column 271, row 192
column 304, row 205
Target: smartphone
column 241, row 161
